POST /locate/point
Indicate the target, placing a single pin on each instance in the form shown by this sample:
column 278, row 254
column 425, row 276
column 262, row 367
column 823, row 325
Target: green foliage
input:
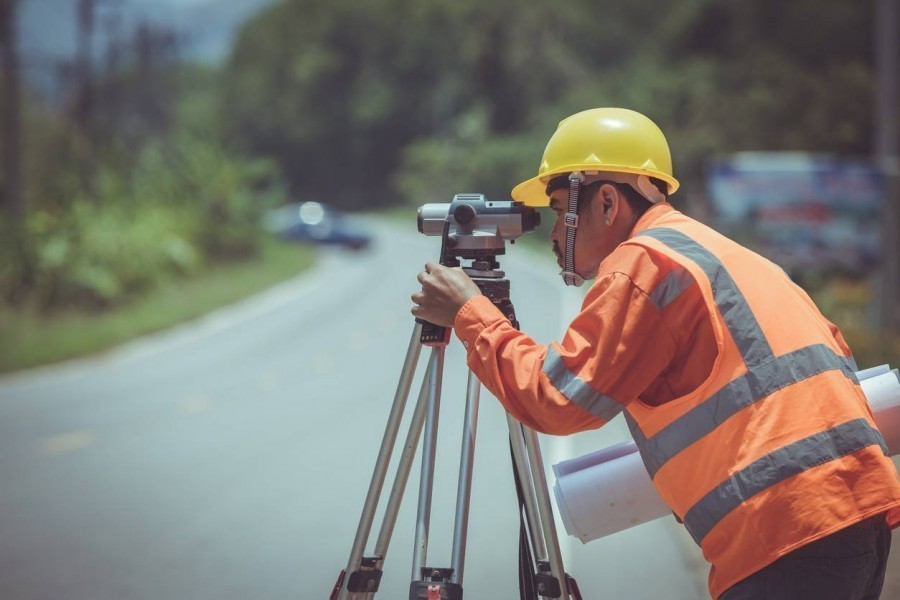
column 847, row 302
column 359, row 101
column 53, row 160
column 33, row 338
column 199, row 111
column 95, row 257
column 336, row 90
column 465, row 160
column 222, row 197
column 185, row 204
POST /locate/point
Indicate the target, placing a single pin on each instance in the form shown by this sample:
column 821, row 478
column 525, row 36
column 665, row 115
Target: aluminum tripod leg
column 554, row 554
column 536, row 497
column 447, row 583
column 403, row 469
column 464, row 487
column 400, row 480
column 429, row 447
column 384, row 457
column 520, row 458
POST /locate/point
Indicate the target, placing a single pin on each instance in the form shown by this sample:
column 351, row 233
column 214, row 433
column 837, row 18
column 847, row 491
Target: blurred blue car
column 316, row 223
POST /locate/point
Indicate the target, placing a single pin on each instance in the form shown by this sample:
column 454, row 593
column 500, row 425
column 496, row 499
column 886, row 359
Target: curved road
column 229, row 457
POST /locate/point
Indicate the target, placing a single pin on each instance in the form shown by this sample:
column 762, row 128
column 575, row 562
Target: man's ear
column 609, row 202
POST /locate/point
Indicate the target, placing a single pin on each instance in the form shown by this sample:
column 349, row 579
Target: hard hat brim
column 532, row 192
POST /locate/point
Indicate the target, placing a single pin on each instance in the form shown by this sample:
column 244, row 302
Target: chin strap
column 571, row 222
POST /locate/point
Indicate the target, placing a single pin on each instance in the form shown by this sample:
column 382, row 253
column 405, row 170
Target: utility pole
column 10, row 131
column 888, row 160
column 84, row 110
column 148, row 93
column 111, row 95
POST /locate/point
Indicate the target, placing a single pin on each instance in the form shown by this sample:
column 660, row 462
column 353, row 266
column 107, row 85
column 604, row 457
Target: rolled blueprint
column 607, row 497
column 607, row 491
column 883, row 393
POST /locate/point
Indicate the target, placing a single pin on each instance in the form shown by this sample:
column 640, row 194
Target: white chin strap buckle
column 572, row 278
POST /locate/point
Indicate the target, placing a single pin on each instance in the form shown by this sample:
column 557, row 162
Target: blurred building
column 804, row 211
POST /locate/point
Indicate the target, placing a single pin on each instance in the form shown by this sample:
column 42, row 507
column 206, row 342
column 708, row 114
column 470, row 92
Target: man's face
column 594, row 240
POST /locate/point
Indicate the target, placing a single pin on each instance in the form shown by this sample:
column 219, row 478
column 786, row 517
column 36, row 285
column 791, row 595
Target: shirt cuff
column 474, row 316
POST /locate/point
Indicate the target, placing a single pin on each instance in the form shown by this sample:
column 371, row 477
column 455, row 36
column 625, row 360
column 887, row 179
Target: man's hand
column 444, row 291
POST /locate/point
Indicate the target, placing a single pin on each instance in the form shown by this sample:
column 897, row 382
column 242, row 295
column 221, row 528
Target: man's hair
column 638, row 203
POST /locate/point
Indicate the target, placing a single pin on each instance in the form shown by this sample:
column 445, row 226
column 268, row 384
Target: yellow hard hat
column 601, row 139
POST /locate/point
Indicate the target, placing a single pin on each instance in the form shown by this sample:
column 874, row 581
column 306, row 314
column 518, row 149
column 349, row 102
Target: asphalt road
column 229, row 457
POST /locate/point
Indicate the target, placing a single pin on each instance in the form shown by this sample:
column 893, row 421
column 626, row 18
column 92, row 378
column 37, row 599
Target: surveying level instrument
column 472, row 229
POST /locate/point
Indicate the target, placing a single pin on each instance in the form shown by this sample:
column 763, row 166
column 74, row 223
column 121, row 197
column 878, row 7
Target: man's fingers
column 420, row 312
column 422, row 277
column 418, row 298
column 431, row 267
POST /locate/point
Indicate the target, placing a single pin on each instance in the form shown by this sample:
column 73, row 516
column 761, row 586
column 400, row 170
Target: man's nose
column 554, row 232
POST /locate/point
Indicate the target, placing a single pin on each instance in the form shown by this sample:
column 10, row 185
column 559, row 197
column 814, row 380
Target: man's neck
column 650, row 216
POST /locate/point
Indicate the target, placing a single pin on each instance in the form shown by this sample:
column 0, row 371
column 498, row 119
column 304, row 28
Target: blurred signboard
column 804, row 211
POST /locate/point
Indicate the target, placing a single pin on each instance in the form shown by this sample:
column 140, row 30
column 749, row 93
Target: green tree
column 360, row 102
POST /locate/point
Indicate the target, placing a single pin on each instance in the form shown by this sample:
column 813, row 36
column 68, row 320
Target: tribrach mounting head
column 474, row 227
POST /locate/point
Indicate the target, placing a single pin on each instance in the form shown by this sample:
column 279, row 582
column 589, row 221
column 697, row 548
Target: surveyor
column 740, row 395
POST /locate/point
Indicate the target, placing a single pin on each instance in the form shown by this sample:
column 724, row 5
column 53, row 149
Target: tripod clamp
column 490, row 280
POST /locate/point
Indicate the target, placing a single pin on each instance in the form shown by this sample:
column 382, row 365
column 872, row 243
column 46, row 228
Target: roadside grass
column 30, row 339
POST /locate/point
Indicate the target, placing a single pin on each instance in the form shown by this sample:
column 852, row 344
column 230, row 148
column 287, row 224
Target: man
column 740, row 395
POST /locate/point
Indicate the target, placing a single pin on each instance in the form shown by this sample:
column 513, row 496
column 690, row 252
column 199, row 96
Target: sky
column 47, row 28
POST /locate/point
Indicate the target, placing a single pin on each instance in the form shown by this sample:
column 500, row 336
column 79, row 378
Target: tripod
column 547, row 578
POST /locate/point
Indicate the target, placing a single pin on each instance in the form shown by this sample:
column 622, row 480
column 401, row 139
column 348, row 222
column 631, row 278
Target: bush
column 96, row 255
column 222, row 197
column 185, row 204
column 469, row 159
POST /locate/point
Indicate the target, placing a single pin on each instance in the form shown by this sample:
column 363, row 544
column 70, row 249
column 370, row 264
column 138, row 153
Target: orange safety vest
column 778, row 447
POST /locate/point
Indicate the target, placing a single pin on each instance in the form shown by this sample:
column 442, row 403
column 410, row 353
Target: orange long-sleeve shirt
column 643, row 334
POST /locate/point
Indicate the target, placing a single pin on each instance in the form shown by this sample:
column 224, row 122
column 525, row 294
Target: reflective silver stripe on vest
column 758, row 383
column 672, row 286
column 740, row 320
column 577, row 390
column 777, row 466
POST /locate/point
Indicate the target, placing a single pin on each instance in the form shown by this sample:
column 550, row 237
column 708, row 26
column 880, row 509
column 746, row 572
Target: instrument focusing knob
column 464, row 214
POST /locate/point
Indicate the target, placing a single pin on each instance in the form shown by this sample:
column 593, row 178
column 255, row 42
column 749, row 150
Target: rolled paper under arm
column 609, row 490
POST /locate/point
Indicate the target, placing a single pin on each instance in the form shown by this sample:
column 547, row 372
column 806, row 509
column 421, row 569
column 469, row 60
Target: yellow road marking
column 268, row 383
column 360, row 340
column 65, row 443
column 194, row 404
column 324, row 364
